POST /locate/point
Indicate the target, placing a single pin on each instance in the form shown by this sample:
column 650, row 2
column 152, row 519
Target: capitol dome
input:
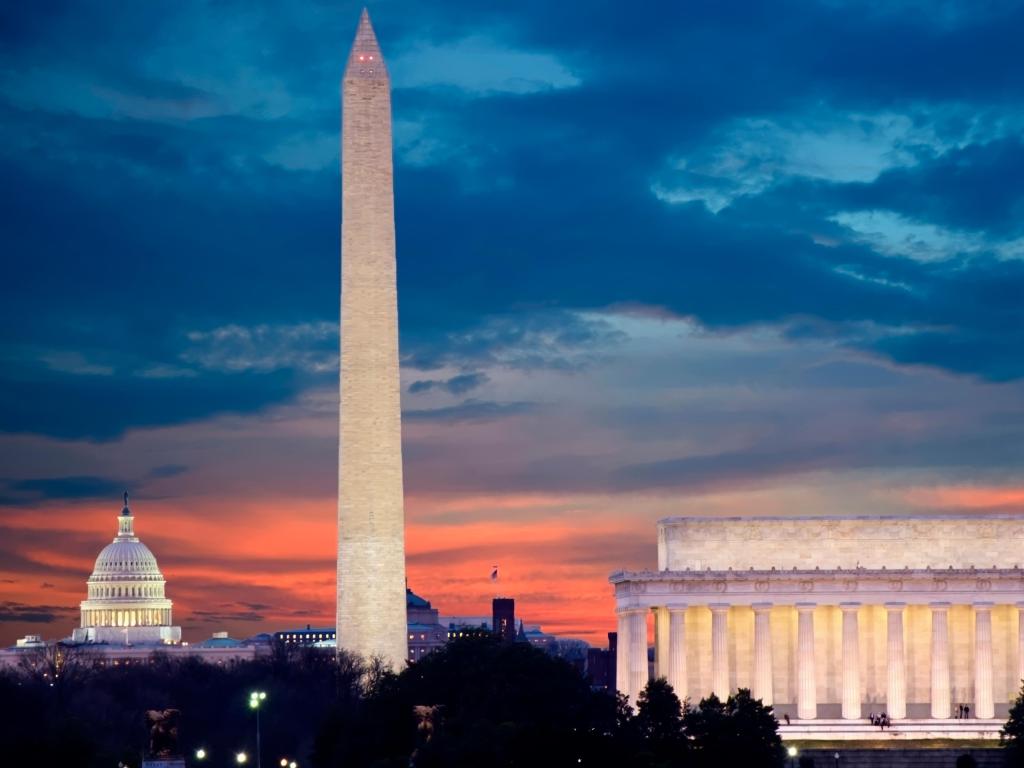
column 125, row 558
column 125, row 600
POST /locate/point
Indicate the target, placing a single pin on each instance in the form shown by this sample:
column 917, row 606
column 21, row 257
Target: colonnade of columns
column 670, row 656
column 126, row 617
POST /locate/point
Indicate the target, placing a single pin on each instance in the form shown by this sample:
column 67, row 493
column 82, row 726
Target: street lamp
column 241, row 758
column 200, row 754
column 255, row 699
column 791, row 751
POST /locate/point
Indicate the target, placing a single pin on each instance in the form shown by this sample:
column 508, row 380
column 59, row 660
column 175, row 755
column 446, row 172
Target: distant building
column 503, row 621
column 426, row 633
column 535, row 637
column 219, row 649
column 484, row 626
column 126, row 603
column 458, row 631
column 601, row 665
column 322, row 636
column 126, row 616
column 425, row 630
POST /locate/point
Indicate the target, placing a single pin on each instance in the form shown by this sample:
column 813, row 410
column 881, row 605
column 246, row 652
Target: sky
column 670, row 258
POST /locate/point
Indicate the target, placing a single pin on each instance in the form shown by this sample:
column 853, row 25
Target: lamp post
column 792, row 752
column 256, row 698
column 200, row 754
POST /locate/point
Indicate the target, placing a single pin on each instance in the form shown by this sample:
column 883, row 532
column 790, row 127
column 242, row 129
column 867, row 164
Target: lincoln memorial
column 830, row 618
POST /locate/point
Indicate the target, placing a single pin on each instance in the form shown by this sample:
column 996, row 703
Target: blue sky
column 677, row 257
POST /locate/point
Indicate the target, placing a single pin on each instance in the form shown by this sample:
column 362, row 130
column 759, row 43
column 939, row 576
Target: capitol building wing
column 832, row 617
column 125, row 601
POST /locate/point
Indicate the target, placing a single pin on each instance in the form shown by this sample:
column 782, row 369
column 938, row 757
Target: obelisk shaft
column 371, row 518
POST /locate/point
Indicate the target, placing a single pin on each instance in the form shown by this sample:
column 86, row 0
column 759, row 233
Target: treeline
column 474, row 703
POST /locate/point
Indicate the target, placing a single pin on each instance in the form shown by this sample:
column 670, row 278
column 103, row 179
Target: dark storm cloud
column 168, row 470
column 977, row 187
column 469, row 411
column 102, row 408
column 218, row 617
column 153, row 191
column 81, row 487
column 34, row 491
column 33, row 614
column 26, row 551
column 456, row 385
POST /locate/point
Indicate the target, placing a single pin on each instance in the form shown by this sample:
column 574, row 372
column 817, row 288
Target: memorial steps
column 900, row 730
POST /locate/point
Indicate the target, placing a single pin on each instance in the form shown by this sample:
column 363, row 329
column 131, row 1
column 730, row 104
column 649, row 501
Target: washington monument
column 371, row 514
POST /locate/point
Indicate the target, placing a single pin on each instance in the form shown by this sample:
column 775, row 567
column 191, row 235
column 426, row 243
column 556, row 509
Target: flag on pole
column 494, row 574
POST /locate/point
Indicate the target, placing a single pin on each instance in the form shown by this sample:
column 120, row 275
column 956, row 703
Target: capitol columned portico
column 831, row 618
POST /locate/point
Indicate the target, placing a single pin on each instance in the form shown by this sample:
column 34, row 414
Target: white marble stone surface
column 936, row 541
column 371, row 518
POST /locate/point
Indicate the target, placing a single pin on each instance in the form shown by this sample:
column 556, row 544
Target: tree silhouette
column 739, row 731
column 1012, row 733
column 660, row 724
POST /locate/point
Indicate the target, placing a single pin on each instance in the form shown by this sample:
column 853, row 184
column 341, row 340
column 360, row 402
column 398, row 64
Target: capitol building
column 126, row 615
column 126, row 603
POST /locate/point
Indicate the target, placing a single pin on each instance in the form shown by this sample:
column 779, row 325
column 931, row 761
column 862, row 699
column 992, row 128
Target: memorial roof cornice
column 797, row 518
column 745, row 575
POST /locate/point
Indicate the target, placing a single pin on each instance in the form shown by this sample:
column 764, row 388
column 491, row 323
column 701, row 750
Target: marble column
column 983, row 704
column 622, row 653
column 661, row 641
column 806, row 693
column 638, row 669
column 1020, row 649
column 851, row 661
column 941, row 703
column 677, row 651
column 719, row 649
column 896, row 699
column 763, row 688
